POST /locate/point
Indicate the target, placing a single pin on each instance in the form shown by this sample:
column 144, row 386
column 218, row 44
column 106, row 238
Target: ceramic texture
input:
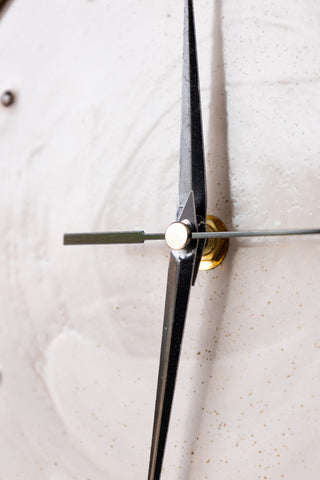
column 92, row 144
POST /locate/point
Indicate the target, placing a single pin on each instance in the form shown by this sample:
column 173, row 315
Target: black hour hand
column 180, row 273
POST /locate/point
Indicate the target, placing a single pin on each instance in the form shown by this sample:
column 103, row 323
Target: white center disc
column 177, row 235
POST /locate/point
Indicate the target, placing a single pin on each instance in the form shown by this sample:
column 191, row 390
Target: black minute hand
column 192, row 167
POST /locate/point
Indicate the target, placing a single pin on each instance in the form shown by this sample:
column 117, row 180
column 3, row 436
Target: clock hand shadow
column 4, row 6
column 219, row 203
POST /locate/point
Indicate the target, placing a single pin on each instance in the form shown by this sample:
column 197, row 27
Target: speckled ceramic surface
column 91, row 144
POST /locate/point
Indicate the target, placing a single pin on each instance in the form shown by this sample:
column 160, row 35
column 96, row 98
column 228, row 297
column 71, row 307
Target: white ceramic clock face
column 91, row 144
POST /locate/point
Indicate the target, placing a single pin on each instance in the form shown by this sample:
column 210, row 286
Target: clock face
column 92, row 144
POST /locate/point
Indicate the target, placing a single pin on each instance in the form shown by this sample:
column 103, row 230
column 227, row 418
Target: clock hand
column 180, row 273
column 103, row 238
column 192, row 168
column 256, row 233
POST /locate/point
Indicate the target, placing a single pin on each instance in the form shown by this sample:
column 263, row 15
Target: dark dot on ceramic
column 7, row 98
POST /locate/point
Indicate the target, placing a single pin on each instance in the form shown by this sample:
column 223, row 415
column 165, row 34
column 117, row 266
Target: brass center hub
column 216, row 248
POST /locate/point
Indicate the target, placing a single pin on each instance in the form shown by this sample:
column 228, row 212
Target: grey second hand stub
column 105, row 238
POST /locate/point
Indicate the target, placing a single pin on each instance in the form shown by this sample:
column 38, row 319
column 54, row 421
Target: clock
column 99, row 151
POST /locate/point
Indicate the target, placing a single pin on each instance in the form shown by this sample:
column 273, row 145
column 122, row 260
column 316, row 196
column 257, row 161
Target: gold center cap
column 177, row 235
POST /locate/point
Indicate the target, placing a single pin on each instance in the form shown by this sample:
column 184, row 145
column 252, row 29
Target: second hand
column 104, row 238
column 256, row 233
